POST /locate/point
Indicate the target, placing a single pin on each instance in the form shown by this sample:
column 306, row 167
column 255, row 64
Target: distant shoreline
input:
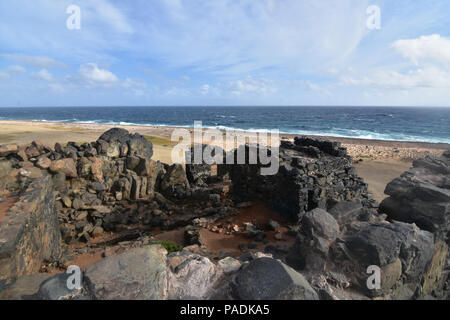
column 164, row 129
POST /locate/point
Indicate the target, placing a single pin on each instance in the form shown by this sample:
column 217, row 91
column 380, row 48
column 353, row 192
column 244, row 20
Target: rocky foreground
column 64, row 201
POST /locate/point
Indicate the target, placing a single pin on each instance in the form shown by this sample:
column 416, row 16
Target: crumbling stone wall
column 30, row 233
column 312, row 174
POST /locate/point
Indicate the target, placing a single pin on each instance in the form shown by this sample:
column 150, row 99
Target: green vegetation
column 170, row 246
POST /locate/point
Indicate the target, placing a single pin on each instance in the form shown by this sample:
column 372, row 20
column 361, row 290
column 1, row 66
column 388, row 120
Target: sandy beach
column 378, row 162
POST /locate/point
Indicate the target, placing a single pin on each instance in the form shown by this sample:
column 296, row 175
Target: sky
column 224, row 52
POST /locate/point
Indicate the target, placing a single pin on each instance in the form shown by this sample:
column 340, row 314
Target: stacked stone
column 312, row 174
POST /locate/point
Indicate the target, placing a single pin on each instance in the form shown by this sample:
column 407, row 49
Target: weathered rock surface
column 120, row 143
column 66, row 166
column 192, row 277
column 269, row 279
column 137, row 274
column 30, row 233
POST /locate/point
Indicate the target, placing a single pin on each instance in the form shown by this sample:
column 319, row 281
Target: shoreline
column 133, row 127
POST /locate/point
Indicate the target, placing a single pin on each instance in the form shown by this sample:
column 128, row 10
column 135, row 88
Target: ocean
column 381, row 123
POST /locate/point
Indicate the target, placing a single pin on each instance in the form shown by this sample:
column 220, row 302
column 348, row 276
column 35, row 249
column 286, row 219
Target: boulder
column 55, row 288
column 229, row 265
column 137, row 274
column 421, row 195
column 269, row 279
column 43, row 162
column 6, row 150
column 175, row 182
column 317, row 233
column 119, row 142
column 66, row 166
column 192, row 277
column 382, row 244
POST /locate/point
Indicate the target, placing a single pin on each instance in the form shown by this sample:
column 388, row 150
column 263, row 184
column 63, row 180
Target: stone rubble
column 85, row 198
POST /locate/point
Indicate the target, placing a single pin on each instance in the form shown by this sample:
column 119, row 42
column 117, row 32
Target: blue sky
column 224, row 52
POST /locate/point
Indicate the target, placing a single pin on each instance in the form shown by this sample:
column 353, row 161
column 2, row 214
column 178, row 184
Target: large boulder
column 119, row 142
column 192, row 277
column 30, row 234
column 66, row 166
column 421, row 195
column 317, row 232
column 6, row 150
column 392, row 247
column 269, row 279
column 137, row 274
column 174, row 183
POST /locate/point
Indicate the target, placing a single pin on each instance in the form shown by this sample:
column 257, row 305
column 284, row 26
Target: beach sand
column 378, row 162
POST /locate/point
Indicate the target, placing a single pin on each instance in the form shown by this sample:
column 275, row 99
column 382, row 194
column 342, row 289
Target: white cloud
column 4, row 75
column 251, row 85
column 430, row 77
column 16, row 69
column 42, row 75
column 111, row 15
column 35, row 61
column 92, row 74
column 433, row 48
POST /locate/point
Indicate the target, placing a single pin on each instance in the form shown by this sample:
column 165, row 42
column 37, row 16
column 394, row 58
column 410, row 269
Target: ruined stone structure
column 312, row 174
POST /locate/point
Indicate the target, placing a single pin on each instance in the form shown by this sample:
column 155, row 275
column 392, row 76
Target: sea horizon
column 408, row 124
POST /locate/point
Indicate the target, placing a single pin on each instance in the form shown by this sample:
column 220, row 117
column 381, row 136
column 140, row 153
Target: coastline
column 18, row 131
column 377, row 161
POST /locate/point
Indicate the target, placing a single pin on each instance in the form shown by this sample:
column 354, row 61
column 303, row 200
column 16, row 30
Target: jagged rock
column 192, row 277
column 192, row 236
column 6, row 150
column 55, row 288
column 229, row 265
column 66, row 166
column 269, row 279
column 43, row 162
column 317, row 232
column 120, row 143
column 382, row 244
column 319, row 223
column 137, row 274
column 272, row 225
column 30, row 234
column 98, row 187
column 32, row 151
column 419, row 196
column 23, row 287
column 175, row 182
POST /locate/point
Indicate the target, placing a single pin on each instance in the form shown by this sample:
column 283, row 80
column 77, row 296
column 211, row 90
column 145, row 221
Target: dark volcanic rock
column 382, row 244
column 137, row 274
column 30, row 234
column 421, row 196
column 120, row 143
column 269, row 279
